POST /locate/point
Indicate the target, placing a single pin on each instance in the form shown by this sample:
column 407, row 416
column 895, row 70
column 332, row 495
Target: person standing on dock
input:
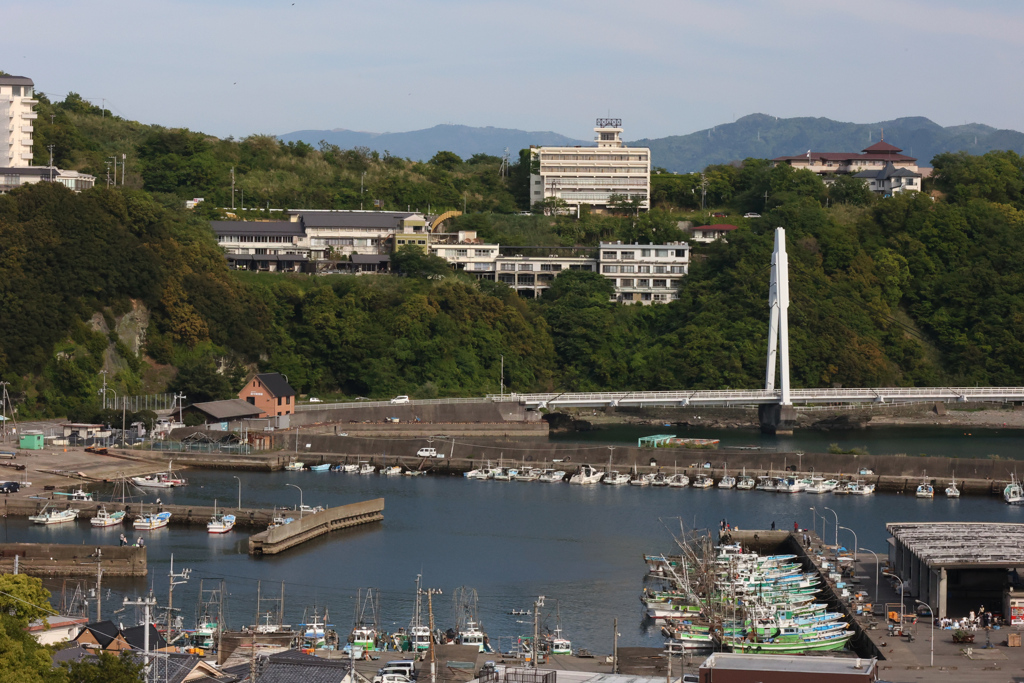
column 123, row 540
column 773, row 526
column 796, row 527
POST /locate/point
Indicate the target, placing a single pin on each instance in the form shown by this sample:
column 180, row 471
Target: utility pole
column 361, row 178
column 124, row 162
column 503, row 376
column 115, row 168
column 170, row 595
column 147, row 604
column 104, row 373
column 50, row 147
column 615, row 646
column 3, row 407
column 99, row 584
column 535, row 659
column 124, row 416
column 430, row 610
column 232, row 188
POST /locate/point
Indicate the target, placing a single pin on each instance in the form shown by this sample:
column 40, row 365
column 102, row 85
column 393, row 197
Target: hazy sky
column 235, row 67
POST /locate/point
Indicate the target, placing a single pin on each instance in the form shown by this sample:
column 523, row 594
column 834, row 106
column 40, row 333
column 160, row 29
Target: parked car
column 390, row 676
column 406, row 668
column 429, row 453
column 751, row 215
column 400, row 399
column 9, row 487
column 315, row 400
column 719, row 214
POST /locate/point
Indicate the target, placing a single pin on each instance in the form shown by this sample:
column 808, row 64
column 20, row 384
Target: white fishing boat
column 586, row 474
column 615, row 478
column 505, row 474
column 858, row 488
column 817, row 485
column 703, row 481
column 528, row 474
column 366, row 468
column 150, row 521
column 479, row 473
column 160, row 480
column 726, row 482
column 311, row 509
column 391, row 471
column 678, row 481
column 295, row 466
column 105, row 519
column 925, row 489
column 50, row 515
column 78, row 495
column 745, row 482
column 790, row 485
column 766, row 483
column 220, row 524
column 660, row 479
column 350, row 469
column 1013, row 494
column 642, row 480
column 470, row 634
column 322, row 467
column 552, row 476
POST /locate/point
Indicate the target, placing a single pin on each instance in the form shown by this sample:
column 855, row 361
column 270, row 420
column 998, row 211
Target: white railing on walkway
column 384, row 404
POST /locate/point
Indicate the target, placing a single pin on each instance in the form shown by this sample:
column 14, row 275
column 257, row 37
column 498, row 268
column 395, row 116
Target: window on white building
column 680, row 253
column 610, row 269
column 677, row 269
column 661, row 253
column 626, row 282
column 660, row 283
column 660, row 269
column 508, row 266
column 644, row 269
column 610, row 255
column 627, row 255
column 628, row 269
column 643, row 283
column 645, row 252
column 551, row 266
column 645, row 296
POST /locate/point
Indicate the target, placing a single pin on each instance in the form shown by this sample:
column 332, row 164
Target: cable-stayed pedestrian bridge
column 758, row 397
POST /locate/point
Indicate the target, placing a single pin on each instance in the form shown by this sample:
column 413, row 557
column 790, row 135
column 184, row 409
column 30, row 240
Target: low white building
column 891, row 180
column 710, row 233
column 591, row 175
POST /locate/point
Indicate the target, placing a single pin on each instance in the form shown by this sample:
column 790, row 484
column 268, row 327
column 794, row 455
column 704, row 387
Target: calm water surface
column 581, row 546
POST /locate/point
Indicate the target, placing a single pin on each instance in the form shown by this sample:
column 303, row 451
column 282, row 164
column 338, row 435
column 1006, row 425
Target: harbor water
column 580, row 547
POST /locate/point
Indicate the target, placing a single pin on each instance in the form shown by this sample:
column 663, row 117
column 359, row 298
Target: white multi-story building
column 647, row 273
column 17, row 120
column 17, row 127
column 530, row 276
column 591, row 175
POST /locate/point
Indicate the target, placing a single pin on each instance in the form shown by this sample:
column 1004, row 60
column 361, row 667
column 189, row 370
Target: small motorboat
column 552, row 476
column 528, row 474
column 391, row 471
column 925, row 489
column 952, row 491
column 678, row 481
column 105, row 519
column 366, row 468
column 726, row 482
column 295, row 466
column 703, row 481
column 220, row 524
column 586, row 474
column 325, row 467
column 1013, row 494
column 161, row 480
column 614, row 478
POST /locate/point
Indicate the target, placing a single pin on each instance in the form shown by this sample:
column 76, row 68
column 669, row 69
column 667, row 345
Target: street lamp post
column 854, row 542
column 901, row 595
column 837, row 525
column 931, row 613
column 878, row 568
column 239, row 491
column 300, row 498
column 814, row 521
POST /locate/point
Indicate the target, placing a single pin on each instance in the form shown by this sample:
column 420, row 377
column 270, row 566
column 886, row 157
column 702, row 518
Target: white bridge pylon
column 778, row 324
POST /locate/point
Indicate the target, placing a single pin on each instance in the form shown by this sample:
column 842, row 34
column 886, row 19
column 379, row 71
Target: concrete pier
column 279, row 539
column 59, row 559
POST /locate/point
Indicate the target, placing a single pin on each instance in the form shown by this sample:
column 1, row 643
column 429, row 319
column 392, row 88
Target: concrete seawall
column 281, row 538
column 483, row 411
column 181, row 515
column 57, row 559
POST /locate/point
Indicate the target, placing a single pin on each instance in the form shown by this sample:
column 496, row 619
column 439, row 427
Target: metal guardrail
column 884, row 395
column 300, row 407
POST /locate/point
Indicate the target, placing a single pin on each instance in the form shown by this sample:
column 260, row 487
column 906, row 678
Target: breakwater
column 310, row 526
column 181, row 515
column 59, row 559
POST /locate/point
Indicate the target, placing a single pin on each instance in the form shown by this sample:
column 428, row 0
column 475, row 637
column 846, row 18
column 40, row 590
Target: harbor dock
column 66, row 559
column 310, row 526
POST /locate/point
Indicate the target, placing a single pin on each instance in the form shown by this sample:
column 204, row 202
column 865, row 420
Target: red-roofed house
column 873, row 158
column 710, row 233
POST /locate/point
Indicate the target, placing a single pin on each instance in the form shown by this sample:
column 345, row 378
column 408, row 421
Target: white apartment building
column 17, row 128
column 648, row 273
column 530, row 276
column 334, row 233
column 16, row 121
column 590, row 175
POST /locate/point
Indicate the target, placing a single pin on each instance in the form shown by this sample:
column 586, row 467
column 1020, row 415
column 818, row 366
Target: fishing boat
column 703, row 481
column 365, row 630
column 925, row 489
column 105, row 519
column 78, row 495
column 280, row 521
column 50, row 515
column 160, row 480
column 790, row 485
column 766, row 483
column 678, row 481
column 615, row 478
column 952, row 491
column 220, row 524
column 350, row 469
column 391, row 471
column 640, row 479
column 586, row 474
column 505, row 474
column 324, row 467
column 314, row 629
column 726, row 482
column 1013, row 494
column 295, row 466
column 528, row 474
column 311, row 509
column 479, row 473
column 552, row 476
column 858, row 488
column 419, row 635
column 745, row 482
column 366, row 468
column 150, row 521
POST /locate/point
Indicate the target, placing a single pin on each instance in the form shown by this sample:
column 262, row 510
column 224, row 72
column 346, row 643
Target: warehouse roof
column 975, row 544
column 231, row 409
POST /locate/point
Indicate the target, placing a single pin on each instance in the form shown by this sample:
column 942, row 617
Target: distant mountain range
column 756, row 135
column 421, row 145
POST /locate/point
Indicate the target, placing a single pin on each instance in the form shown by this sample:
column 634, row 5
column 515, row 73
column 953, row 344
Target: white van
column 429, row 453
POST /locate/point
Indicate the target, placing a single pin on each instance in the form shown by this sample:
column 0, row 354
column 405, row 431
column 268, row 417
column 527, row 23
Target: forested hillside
column 901, row 291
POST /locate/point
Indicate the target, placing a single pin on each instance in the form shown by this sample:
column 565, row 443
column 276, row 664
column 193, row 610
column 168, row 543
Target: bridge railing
column 383, row 404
